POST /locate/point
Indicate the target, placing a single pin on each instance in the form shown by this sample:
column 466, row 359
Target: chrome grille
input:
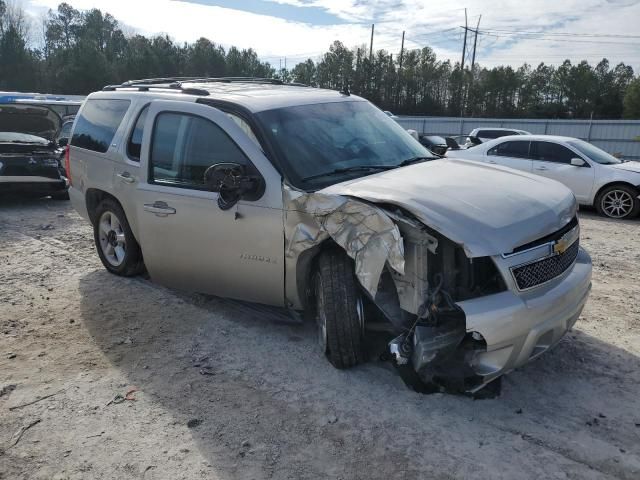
column 541, row 271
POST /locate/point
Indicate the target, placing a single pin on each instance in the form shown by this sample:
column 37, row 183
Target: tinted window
column 185, row 146
column 97, row 124
column 495, row 133
column 135, row 141
column 511, row 149
column 552, row 152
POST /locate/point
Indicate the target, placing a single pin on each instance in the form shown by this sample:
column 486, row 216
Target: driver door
column 187, row 241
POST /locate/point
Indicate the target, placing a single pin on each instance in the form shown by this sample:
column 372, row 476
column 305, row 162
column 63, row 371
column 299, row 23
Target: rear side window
column 185, row 146
column 511, row 149
column 135, row 141
column 97, row 124
column 551, row 152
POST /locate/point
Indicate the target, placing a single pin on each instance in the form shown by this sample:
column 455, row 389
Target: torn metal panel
column 365, row 232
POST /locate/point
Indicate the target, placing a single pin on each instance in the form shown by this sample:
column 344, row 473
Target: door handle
column 125, row 177
column 542, row 168
column 492, row 162
column 159, row 208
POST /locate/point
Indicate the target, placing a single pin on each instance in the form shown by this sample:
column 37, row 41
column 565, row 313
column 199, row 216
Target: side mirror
column 577, row 162
column 232, row 183
column 63, row 142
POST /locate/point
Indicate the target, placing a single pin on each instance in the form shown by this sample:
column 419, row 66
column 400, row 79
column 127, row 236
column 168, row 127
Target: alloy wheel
column 112, row 238
column 617, row 204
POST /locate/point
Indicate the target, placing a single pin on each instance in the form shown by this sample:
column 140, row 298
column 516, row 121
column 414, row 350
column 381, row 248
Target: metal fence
column 618, row 137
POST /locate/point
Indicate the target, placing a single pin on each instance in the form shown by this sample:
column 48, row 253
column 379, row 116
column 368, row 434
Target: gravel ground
column 218, row 389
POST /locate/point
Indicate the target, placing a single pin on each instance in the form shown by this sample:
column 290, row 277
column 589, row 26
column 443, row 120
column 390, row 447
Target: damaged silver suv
column 316, row 200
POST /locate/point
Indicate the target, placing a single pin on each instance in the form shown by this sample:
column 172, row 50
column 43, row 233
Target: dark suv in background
column 29, row 153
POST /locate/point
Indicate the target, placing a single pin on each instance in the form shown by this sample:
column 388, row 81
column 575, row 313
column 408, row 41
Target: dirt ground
column 227, row 391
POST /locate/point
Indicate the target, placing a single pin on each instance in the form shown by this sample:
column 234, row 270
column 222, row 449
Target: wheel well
column 613, row 184
column 307, row 265
column 94, row 197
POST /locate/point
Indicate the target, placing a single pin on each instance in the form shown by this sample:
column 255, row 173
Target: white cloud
column 275, row 37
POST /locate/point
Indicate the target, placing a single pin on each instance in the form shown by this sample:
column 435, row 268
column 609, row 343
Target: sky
column 301, row 29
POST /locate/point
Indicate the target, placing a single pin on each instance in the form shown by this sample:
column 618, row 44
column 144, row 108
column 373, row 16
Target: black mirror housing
column 233, row 184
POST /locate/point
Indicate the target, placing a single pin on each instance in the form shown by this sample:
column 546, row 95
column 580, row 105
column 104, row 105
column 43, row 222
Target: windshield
column 344, row 140
column 594, row 153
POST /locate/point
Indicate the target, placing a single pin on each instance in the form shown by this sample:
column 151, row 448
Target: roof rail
column 178, row 83
column 175, row 87
column 155, row 81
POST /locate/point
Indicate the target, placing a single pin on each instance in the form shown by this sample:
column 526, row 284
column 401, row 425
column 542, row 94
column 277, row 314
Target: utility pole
column 475, row 43
column 464, row 54
column 371, row 44
column 400, row 70
column 473, row 65
column 464, row 45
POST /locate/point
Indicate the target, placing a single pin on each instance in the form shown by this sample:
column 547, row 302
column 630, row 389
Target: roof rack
column 177, row 83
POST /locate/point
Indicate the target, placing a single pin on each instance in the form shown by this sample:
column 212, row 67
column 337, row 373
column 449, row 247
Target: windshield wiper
column 412, row 160
column 355, row 168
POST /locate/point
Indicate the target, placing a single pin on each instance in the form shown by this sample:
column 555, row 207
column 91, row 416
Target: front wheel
column 117, row 247
column 618, row 201
column 339, row 310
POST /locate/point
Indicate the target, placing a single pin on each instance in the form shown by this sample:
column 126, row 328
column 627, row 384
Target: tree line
column 82, row 51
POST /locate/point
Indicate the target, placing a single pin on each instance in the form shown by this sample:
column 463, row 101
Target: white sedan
column 596, row 178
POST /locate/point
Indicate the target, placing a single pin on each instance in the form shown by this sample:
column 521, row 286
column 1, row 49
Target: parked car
column 64, row 108
column 316, row 200
column 65, row 131
column 29, row 162
column 595, row 177
column 435, row 144
column 486, row 134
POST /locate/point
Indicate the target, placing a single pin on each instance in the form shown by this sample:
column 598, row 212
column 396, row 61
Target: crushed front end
column 463, row 322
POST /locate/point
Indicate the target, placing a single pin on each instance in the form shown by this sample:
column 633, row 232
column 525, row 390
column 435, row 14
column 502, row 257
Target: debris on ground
column 16, row 407
column 18, row 435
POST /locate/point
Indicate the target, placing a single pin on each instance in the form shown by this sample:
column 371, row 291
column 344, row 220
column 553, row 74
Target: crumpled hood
column 488, row 210
column 628, row 166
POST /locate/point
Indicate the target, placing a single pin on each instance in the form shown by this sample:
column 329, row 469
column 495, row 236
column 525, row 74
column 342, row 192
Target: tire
column 60, row 195
column 339, row 310
column 618, row 202
column 117, row 247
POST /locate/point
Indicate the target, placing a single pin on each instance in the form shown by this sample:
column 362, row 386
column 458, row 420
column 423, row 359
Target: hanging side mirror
column 232, row 183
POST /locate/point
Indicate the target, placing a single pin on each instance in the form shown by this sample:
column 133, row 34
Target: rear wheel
column 117, row 247
column 618, row 201
column 339, row 310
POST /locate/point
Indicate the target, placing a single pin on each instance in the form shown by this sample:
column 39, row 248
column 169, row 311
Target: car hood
column 488, row 210
column 628, row 166
column 30, row 119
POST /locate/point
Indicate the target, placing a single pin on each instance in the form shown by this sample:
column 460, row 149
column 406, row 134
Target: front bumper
column 518, row 327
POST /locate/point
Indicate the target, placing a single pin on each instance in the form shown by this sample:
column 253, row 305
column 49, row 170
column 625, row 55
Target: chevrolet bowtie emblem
column 561, row 246
column 566, row 241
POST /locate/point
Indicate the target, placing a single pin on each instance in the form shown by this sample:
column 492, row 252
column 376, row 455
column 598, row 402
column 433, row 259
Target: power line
column 541, row 39
column 568, row 34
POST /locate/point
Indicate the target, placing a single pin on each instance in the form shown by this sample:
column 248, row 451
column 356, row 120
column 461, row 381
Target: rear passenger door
column 511, row 153
column 187, row 241
column 553, row 160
